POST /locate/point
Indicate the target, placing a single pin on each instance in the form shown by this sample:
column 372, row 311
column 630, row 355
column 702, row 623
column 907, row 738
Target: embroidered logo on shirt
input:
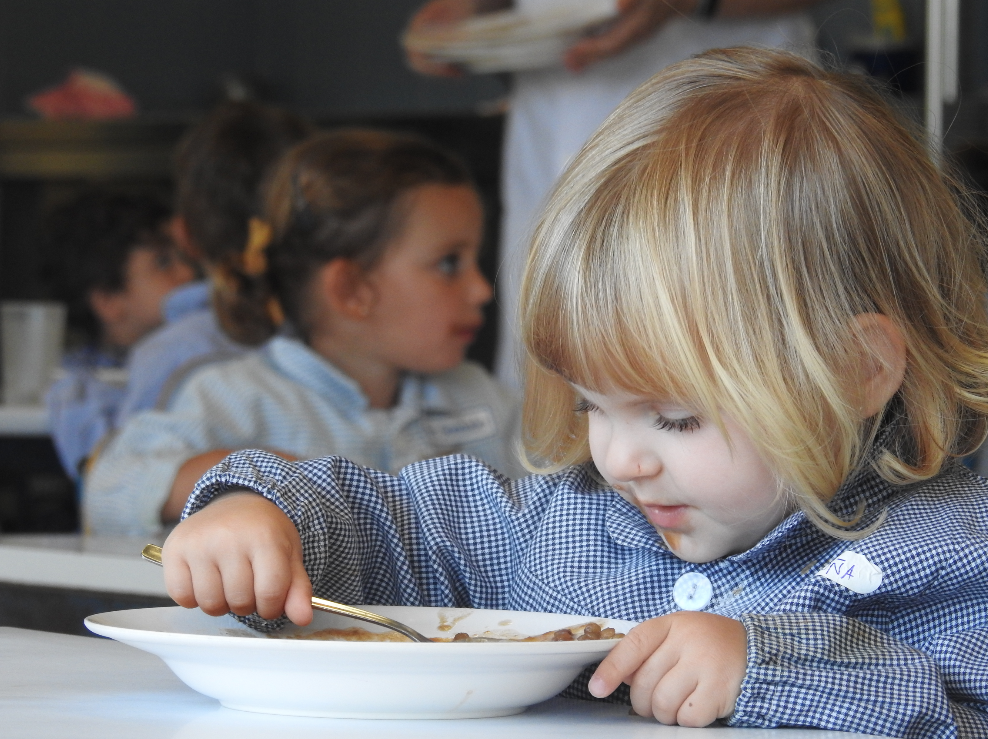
column 854, row 572
column 470, row 425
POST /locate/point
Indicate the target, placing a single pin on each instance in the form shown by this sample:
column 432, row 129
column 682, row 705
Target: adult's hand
column 437, row 13
column 636, row 21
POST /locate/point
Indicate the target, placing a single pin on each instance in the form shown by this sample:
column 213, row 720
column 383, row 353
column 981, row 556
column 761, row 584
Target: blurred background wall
column 327, row 57
column 340, row 62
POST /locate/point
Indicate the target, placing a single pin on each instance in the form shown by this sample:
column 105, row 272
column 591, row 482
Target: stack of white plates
column 512, row 40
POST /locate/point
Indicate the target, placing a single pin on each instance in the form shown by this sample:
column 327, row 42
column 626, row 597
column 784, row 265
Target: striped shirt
column 901, row 653
column 190, row 338
column 286, row 398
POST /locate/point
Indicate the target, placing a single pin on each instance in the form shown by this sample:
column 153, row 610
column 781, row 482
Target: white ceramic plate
column 223, row 659
column 511, row 40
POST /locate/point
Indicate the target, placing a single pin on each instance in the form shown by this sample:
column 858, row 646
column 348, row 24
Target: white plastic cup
column 32, row 333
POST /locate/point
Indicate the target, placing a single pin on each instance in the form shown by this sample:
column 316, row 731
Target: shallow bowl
column 247, row 671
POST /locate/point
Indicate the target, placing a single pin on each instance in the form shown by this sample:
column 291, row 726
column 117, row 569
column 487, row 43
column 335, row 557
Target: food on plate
column 591, row 631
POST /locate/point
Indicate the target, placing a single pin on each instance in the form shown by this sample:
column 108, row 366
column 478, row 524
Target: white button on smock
column 692, row 591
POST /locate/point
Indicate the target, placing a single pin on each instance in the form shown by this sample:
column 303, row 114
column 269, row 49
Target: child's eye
column 584, row 406
column 690, row 423
column 450, row 264
column 163, row 260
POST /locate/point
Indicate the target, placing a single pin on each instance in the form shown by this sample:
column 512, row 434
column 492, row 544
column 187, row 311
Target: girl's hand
column 636, row 21
column 683, row 668
column 240, row 553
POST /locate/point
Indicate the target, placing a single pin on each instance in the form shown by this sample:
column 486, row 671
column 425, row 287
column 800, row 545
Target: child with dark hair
column 368, row 255
column 221, row 167
column 112, row 262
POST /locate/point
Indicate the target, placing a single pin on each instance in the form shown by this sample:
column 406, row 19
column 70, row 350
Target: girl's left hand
column 685, row 668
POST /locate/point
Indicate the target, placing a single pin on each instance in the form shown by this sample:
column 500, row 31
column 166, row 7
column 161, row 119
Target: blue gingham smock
column 287, row 398
column 909, row 659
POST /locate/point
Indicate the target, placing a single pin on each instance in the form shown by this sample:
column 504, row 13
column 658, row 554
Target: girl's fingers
column 178, row 582
column 629, row 654
column 700, row 708
column 668, row 695
column 238, row 584
column 207, row 584
column 298, row 604
column 272, row 581
column 647, row 679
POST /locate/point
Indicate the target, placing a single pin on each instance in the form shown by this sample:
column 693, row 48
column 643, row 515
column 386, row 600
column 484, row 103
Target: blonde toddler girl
column 755, row 323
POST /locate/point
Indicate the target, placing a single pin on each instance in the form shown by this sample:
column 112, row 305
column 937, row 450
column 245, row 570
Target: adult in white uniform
column 554, row 111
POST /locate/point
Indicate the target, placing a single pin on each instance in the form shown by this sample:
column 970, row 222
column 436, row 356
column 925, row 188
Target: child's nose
column 629, row 459
column 480, row 289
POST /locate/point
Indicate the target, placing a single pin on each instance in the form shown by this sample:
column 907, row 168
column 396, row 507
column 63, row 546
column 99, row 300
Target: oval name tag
column 854, row 572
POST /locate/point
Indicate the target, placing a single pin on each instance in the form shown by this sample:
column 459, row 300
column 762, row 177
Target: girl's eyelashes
column 584, row 406
column 690, row 423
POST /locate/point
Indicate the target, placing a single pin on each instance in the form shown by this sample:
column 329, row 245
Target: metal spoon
column 152, row 553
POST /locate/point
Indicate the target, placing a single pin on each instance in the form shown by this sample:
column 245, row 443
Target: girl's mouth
column 665, row 516
column 466, row 333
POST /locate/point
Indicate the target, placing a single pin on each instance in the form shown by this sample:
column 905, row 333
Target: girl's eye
column 450, row 264
column 584, row 406
column 163, row 260
column 690, row 423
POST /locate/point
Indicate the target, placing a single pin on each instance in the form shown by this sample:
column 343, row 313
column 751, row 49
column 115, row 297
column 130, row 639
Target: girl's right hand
column 240, row 553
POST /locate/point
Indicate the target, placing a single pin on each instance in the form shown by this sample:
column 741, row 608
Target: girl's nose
column 480, row 290
column 628, row 457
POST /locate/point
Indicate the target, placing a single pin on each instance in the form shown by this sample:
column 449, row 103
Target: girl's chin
column 434, row 367
column 687, row 553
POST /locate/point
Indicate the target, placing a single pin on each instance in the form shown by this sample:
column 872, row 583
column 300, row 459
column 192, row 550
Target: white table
column 56, row 686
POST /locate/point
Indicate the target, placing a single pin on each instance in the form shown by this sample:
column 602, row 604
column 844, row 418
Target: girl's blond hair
column 712, row 244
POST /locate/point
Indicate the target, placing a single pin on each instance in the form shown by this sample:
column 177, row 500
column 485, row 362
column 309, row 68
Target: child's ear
column 178, row 229
column 882, row 363
column 346, row 289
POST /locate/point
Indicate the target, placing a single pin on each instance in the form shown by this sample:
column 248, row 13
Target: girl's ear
column 346, row 289
column 881, row 365
column 178, row 229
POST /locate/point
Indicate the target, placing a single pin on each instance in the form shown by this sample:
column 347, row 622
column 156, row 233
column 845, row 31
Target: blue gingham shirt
column 907, row 660
column 287, row 398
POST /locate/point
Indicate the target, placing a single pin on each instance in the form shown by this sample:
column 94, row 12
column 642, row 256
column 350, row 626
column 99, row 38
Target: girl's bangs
column 616, row 317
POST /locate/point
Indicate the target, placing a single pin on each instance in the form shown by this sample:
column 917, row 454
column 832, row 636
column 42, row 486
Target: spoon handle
column 372, row 618
column 152, row 553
